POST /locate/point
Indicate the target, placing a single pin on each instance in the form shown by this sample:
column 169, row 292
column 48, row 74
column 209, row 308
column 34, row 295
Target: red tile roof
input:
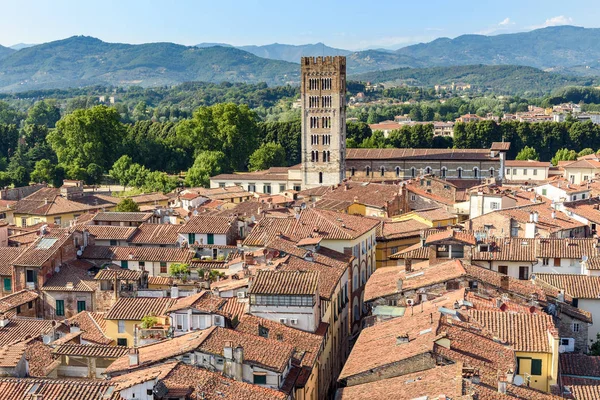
column 136, row 308
column 285, row 283
column 577, row 286
column 156, row 234
column 207, row 224
column 7, row 257
column 92, row 325
column 57, row 389
column 138, row 253
column 16, row 299
column 90, row 350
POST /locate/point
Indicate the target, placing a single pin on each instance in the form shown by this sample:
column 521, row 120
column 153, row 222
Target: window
column 18, row 309
column 260, row 379
column 413, row 197
column 494, row 205
column 507, row 171
column 163, row 267
column 514, row 171
column 413, row 172
column 80, row 305
column 31, row 275
column 7, row 285
column 459, row 172
column 191, row 238
column 524, row 171
column 544, row 192
column 545, row 262
column 523, row 273
column 575, row 327
column 60, row 307
column 149, row 392
column 252, row 187
column 267, row 188
column 30, row 305
column 263, row 331
column 122, row 342
column 121, row 326
column 352, row 171
column 514, row 231
column 492, row 171
column 210, row 238
column 428, row 183
column 536, row 367
column 142, row 264
column 124, row 264
column 113, row 242
column 320, row 177
column 557, row 262
column 443, row 172
column 503, row 269
column 221, row 184
column 281, row 188
column 582, row 196
column 368, row 171
column 57, row 220
column 382, row 171
column 397, row 171
column 476, row 172
column 297, row 188
column 534, row 171
column 23, row 222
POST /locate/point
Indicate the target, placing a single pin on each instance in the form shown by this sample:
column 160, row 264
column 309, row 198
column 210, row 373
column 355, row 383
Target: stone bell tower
column 323, row 96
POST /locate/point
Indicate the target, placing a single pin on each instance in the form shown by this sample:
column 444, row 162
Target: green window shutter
column 124, row 264
column 210, row 238
column 192, row 237
column 60, row 307
column 7, row 285
column 80, row 306
column 536, row 367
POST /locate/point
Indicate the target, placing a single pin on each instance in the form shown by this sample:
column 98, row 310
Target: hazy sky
column 346, row 24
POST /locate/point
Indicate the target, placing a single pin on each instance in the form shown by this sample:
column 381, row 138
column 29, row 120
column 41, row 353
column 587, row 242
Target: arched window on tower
column 382, row 171
column 428, row 170
column 320, row 177
column 368, row 171
column 476, row 173
column 397, row 171
column 459, row 172
column 492, row 171
column 324, row 156
column 443, row 172
column 352, row 171
column 328, row 156
column 413, row 172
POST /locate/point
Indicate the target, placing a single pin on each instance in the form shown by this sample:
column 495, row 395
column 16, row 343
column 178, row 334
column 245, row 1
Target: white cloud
column 503, row 25
column 555, row 21
column 505, row 22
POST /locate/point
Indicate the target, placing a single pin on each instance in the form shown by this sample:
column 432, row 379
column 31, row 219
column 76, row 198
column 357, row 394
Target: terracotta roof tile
column 163, row 350
column 415, row 252
column 109, row 232
column 579, row 365
column 156, row 234
column 136, row 308
column 42, row 249
column 306, row 345
column 137, row 253
column 417, row 154
column 57, row 389
column 452, row 235
column 90, row 350
column 139, row 376
column 16, row 299
column 258, row 351
column 7, row 257
column 506, row 249
column 205, row 301
column 207, row 224
column 115, row 216
column 505, row 282
column 525, row 332
column 400, row 229
column 285, row 283
column 582, row 388
column 93, row 326
column 577, row 286
column 20, row 327
column 372, row 194
column 121, row 274
column 70, row 279
column 39, row 359
column 186, row 380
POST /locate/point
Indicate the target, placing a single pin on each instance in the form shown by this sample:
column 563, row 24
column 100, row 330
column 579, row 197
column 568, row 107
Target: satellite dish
column 584, row 258
column 518, row 380
column 79, row 253
column 46, row 339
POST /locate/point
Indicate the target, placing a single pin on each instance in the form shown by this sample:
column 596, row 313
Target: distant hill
column 293, row 53
column 501, row 79
column 557, row 46
column 376, row 60
column 5, row 51
column 20, row 46
column 84, row 61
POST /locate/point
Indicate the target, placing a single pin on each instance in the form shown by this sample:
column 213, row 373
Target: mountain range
column 81, row 61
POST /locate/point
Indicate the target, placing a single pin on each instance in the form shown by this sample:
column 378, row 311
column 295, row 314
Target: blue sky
column 346, row 24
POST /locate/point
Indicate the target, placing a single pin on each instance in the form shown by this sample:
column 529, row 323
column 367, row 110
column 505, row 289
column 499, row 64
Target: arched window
column 459, row 172
column 328, row 156
column 320, row 177
column 312, row 156
column 397, row 171
column 352, row 171
column 443, row 172
column 324, row 156
column 492, row 171
column 476, row 172
column 382, row 171
column 413, row 172
column 428, row 170
column 368, row 171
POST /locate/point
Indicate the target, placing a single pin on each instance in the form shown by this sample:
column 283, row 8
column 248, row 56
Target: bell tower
column 323, row 96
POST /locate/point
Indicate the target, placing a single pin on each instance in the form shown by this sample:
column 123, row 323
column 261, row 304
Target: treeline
column 88, row 144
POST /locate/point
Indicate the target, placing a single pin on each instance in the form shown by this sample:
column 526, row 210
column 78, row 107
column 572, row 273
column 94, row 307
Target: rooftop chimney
column 408, row 265
column 3, row 320
column 502, row 385
column 74, row 327
column 174, row 291
column 134, row 357
column 399, row 285
column 69, row 285
column 499, row 302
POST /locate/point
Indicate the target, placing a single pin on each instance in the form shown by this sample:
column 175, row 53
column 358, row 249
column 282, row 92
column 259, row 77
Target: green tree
column 207, row 164
column 528, row 153
column 9, row 115
column 149, row 321
column 158, row 181
column 585, row 152
column 564, row 155
column 266, row 156
column 127, row 205
column 44, row 112
column 120, row 170
column 179, row 270
column 88, row 136
column 43, row 172
column 94, row 174
column 225, row 127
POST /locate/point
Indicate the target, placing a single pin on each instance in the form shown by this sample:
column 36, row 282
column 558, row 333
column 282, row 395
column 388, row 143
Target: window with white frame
column 494, row 205
column 575, row 327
